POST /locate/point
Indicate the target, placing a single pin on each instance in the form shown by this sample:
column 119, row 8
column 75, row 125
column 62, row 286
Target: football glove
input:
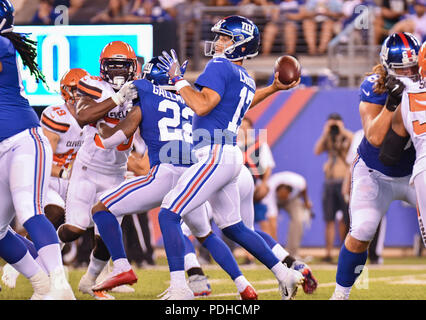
column 394, row 88
column 171, row 65
column 128, row 92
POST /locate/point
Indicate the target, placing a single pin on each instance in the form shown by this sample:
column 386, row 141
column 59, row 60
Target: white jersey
column 292, row 179
column 413, row 109
column 92, row 154
column 59, row 120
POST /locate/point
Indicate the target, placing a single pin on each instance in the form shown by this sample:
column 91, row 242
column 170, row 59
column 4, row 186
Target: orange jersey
column 60, row 121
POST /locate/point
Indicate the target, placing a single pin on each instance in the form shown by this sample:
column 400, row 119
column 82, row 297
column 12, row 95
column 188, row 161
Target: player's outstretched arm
column 89, row 111
column 263, row 93
column 113, row 136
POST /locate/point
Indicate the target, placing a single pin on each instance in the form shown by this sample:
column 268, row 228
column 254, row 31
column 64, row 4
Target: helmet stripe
column 405, row 42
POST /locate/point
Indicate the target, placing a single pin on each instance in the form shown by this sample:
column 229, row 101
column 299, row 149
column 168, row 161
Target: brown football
column 289, row 69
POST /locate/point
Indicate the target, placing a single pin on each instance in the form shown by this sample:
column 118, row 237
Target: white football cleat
column 177, row 293
column 60, row 289
column 339, row 295
column 85, row 286
column 41, row 285
column 10, row 274
column 288, row 287
column 199, row 284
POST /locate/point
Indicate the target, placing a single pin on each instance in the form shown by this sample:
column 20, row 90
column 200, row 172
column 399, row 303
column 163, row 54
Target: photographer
column 335, row 140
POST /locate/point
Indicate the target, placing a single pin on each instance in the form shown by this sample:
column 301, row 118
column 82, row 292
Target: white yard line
column 408, row 279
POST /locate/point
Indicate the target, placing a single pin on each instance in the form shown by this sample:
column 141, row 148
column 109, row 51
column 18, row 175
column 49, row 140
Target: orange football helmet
column 69, row 82
column 118, row 63
column 422, row 61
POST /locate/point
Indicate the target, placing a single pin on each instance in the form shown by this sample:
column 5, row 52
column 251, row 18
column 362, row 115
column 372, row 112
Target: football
column 289, row 69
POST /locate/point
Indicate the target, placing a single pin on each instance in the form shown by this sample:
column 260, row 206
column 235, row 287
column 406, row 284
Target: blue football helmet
column 7, row 16
column 152, row 72
column 400, row 51
column 244, row 35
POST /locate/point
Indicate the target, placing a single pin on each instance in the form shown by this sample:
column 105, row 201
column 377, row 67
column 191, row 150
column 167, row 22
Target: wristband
column 181, row 84
column 113, row 141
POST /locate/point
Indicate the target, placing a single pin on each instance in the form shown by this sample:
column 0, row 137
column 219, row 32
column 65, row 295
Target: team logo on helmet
column 244, row 36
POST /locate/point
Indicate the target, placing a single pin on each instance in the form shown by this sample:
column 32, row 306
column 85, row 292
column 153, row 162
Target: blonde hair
column 379, row 86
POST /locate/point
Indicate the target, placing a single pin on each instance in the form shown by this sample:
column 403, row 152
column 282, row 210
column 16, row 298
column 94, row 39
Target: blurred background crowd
column 290, row 26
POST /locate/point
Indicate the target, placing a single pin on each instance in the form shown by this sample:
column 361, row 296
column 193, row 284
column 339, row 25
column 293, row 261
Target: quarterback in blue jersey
column 164, row 122
column 26, row 158
column 226, row 92
column 375, row 185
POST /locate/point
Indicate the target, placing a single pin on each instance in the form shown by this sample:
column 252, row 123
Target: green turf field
column 397, row 278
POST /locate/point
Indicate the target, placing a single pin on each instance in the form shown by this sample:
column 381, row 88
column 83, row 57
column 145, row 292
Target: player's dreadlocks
column 28, row 52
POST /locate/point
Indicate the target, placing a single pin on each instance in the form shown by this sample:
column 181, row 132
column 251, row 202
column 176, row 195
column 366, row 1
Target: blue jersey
column 16, row 114
column 236, row 89
column 368, row 152
column 166, row 125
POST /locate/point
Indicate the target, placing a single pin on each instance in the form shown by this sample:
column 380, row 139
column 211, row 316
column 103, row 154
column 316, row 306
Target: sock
column 189, row 247
column 30, row 246
column 27, row 266
column 12, row 249
column 271, row 242
column 252, row 242
column 122, row 265
column 347, row 267
column 51, row 257
column 41, row 231
column 33, row 251
column 174, row 241
column 111, row 233
column 276, row 248
column 222, row 255
column 241, row 283
column 191, row 262
column 95, row 266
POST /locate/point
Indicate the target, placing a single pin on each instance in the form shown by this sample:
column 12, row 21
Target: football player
column 26, row 160
column 65, row 136
column 226, row 93
column 95, row 168
column 409, row 122
column 374, row 185
column 165, row 125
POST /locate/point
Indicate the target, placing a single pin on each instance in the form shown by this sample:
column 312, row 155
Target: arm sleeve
column 392, row 147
